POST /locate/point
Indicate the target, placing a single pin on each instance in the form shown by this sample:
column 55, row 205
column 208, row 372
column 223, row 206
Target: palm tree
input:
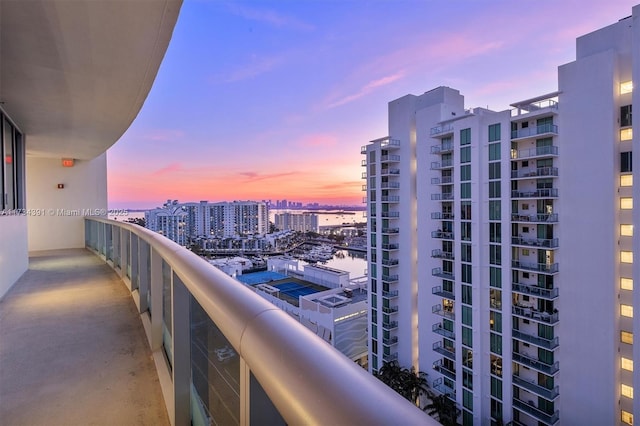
column 407, row 382
column 444, row 408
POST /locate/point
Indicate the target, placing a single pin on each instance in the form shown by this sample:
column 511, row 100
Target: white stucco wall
column 55, row 216
column 14, row 259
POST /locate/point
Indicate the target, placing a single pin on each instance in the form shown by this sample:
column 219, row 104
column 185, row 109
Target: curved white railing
column 306, row 380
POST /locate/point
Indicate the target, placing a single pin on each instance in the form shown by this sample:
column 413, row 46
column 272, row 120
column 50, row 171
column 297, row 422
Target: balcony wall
column 14, row 259
column 55, row 216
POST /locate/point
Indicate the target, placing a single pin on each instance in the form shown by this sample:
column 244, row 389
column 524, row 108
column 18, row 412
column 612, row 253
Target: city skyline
column 265, row 100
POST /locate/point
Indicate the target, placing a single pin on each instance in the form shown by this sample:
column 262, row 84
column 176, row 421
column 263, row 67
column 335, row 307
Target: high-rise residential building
column 502, row 244
column 301, row 222
column 170, row 220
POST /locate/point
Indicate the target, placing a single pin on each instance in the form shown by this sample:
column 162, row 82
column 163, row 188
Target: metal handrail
column 296, row 380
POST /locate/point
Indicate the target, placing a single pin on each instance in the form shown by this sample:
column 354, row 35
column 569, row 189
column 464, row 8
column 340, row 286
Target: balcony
column 440, row 131
column 390, row 341
column 548, row 369
column 440, row 386
column 390, row 262
column 389, row 325
column 442, row 235
column 534, row 290
column 442, row 215
column 538, row 152
column 535, row 131
column 533, row 387
column 390, row 230
column 438, row 272
column 390, row 199
column 440, row 368
column 390, row 185
column 391, row 279
column 535, row 218
column 442, row 148
column 440, row 254
column 389, row 172
column 448, row 351
column 549, row 344
column 202, row 310
column 543, row 106
column 390, row 309
column 389, row 143
column 390, row 214
column 391, row 158
column 439, row 329
column 533, row 411
column 545, row 268
column 446, row 312
column 438, row 291
column 390, row 294
column 445, row 196
column 364, row 175
column 71, row 348
column 444, row 164
column 537, row 193
column 541, row 172
column 530, row 313
column 390, row 357
column 390, row 246
column 444, row 180
column 535, row 242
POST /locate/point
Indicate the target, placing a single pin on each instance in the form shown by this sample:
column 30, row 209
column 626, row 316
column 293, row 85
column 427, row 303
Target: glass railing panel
column 215, row 370
column 126, row 235
column 109, row 242
column 167, row 325
column 134, row 262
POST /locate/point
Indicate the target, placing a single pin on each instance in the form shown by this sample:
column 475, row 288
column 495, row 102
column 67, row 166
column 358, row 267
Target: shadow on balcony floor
column 72, row 348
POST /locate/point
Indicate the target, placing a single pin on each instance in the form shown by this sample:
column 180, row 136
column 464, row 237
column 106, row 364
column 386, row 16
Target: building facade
column 501, row 244
column 300, row 222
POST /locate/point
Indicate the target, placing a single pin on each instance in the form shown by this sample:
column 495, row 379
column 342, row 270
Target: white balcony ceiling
column 74, row 74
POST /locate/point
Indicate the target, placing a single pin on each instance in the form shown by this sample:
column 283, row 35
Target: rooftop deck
column 73, row 349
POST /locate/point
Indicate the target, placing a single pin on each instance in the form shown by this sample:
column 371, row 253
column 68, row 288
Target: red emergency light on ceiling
column 67, row 162
column 8, row 159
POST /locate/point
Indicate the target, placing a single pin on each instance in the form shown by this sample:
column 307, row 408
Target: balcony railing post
column 124, row 256
column 181, row 350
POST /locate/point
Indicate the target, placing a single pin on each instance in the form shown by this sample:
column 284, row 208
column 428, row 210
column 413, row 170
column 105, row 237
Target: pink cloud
column 255, row 67
column 270, row 17
column 366, row 89
column 253, row 176
column 169, row 169
column 317, row 140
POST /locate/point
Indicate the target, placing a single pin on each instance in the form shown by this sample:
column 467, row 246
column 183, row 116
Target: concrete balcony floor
column 72, row 348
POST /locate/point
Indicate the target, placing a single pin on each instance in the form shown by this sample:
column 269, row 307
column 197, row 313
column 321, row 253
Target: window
column 494, row 132
column 626, row 311
column 626, row 180
column 626, row 390
column 626, row 116
column 467, row 337
column 494, row 189
column 626, row 364
column 626, row 134
column 626, row 256
column 495, row 299
column 467, row 357
column 465, row 228
column 626, row 230
column 494, row 210
column 466, row 316
column 626, row 337
column 465, row 154
column 495, row 321
column 626, row 162
column 467, row 399
column 466, row 273
column 494, row 170
column 626, row 283
column 465, row 190
column 495, row 277
column 466, row 252
column 12, row 180
column 495, row 232
column 494, row 151
column 467, row 379
column 465, row 137
column 496, row 387
column 467, row 295
column 626, row 87
column 626, row 203
column 465, row 172
column 495, row 254
column 496, row 343
column 626, row 417
column 465, row 210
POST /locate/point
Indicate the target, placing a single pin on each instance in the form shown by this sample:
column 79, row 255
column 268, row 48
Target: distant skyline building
column 300, row 222
column 209, row 220
column 501, row 244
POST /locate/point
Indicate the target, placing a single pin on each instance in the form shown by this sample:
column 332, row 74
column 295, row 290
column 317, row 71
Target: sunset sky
column 264, row 100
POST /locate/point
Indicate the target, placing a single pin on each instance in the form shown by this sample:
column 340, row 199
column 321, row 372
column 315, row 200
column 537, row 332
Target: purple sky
column 273, row 99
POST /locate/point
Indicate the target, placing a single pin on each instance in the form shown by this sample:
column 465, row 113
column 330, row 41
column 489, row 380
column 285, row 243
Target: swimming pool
column 261, row 277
